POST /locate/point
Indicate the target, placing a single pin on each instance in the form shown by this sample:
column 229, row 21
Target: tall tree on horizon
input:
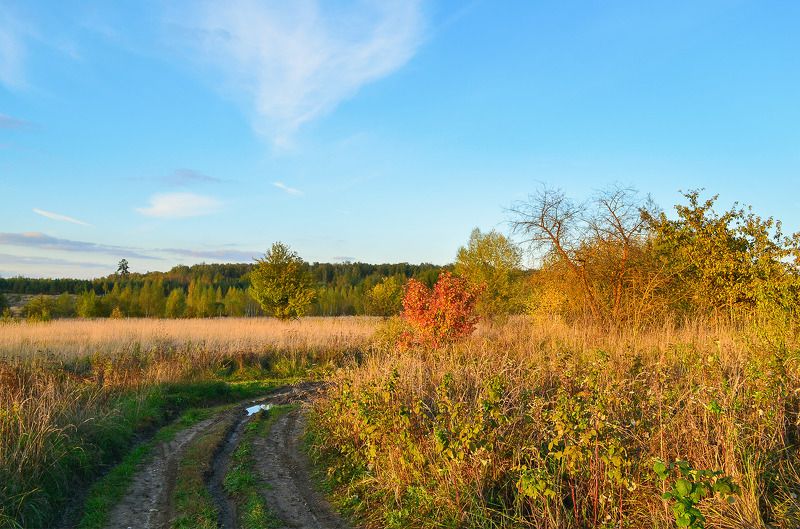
column 282, row 284
column 123, row 268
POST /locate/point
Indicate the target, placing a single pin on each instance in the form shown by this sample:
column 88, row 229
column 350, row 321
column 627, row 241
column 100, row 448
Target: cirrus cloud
column 59, row 217
column 286, row 189
column 35, row 239
column 10, row 122
column 186, row 177
column 296, row 61
column 180, row 205
column 12, row 52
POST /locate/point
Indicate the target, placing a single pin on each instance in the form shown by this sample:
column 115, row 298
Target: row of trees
column 210, row 291
column 618, row 259
column 615, row 258
column 150, row 300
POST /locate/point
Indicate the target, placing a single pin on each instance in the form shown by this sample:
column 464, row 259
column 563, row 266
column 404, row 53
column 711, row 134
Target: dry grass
column 74, row 392
column 224, row 335
column 452, row 437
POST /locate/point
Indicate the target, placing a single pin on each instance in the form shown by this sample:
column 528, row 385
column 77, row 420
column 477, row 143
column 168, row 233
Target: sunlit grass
column 74, row 393
column 545, row 425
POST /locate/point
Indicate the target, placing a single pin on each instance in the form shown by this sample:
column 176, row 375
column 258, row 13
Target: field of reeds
column 75, row 394
column 545, row 425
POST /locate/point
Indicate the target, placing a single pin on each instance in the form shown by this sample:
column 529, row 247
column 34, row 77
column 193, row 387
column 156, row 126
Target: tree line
column 202, row 290
column 615, row 258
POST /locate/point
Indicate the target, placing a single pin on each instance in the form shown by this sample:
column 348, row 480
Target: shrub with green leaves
column 690, row 487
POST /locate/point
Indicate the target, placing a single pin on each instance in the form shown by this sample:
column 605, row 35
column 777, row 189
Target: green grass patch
column 333, row 474
column 194, row 505
column 242, row 483
column 108, row 490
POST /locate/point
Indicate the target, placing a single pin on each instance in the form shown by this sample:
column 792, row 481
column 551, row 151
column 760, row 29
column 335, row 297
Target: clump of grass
column 242, row 483
column 549, row 426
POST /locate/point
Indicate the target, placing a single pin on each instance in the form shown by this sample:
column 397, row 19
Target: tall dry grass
column 540, row 424
column 74, row 392
column 224, row 335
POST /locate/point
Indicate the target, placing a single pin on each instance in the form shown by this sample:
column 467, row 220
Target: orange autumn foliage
column 441, row 315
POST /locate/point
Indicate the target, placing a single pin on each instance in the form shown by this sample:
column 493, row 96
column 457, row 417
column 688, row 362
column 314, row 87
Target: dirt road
column 281, row 465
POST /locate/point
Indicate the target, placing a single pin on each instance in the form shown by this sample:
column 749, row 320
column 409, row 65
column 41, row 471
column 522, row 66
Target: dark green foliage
column 690, row 488
column 30, row 285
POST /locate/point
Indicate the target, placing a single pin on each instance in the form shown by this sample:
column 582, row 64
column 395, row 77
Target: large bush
column 441, row 315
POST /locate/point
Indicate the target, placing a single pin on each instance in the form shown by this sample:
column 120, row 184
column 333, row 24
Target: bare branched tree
column 592, row 238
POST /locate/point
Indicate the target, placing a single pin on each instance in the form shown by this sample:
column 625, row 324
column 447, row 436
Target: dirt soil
column 283, row 466
column 281, row 463
column 146, row 504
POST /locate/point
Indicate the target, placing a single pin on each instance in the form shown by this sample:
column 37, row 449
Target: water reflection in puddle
column 252, row 410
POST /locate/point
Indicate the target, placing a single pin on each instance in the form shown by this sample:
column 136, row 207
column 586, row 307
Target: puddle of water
column 252, row 410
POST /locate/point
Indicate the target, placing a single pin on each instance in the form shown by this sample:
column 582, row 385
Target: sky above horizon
column 376, row 131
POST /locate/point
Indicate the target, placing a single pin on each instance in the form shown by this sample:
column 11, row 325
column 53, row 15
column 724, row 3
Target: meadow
column 536, row 423
column 76, row 395
column 528, row 422
column 646, row 375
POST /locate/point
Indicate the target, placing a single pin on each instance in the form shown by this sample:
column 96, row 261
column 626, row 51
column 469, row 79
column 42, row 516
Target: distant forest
column 202, row 290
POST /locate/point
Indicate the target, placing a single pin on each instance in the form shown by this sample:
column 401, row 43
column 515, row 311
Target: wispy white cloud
column 180, row 205
column 290, row 190
column 59, row 217
column 38, row 260
column 186, row 177
column 296, row 61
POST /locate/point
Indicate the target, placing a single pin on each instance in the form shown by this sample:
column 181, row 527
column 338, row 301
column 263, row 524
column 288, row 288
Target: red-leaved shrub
column 441, row 315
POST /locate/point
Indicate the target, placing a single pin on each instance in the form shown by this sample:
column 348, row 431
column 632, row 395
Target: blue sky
column 182, row 132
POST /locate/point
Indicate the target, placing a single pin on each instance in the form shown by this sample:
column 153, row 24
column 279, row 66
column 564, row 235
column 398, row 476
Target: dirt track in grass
column 281, row 466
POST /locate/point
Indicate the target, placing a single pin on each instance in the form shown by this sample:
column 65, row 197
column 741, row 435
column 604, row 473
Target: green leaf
column 660, row 468
column 683, row 486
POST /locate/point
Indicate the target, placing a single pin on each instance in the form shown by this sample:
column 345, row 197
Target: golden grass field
column 527, row 423
column 545, row 425
column 71, row 337
column 73, row 393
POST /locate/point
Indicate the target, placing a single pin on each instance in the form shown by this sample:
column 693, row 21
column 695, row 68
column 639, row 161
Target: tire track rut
column 281, row 465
